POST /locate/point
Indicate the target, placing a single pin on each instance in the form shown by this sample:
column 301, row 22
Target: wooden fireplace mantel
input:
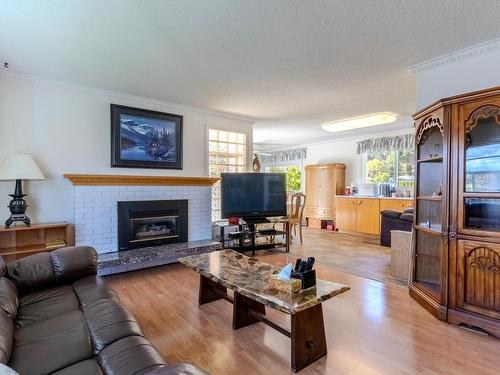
column 123, row 180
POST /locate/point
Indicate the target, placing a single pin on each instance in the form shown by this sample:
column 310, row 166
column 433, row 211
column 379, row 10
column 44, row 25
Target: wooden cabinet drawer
column 321, row 213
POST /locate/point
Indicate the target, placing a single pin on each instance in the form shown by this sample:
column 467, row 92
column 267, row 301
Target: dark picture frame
column 141, row 138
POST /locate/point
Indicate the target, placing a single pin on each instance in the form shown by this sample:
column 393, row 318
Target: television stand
column 250, row 238
column 256, row 220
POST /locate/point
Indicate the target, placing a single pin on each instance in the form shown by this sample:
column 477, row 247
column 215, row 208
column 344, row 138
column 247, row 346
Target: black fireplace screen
column 151, row 223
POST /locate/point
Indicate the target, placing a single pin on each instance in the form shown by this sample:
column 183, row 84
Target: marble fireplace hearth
column 135, row 259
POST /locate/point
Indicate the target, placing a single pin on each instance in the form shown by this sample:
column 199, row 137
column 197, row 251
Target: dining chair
column 298, row 203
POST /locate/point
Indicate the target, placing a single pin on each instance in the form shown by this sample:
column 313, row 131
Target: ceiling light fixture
column 360, row 122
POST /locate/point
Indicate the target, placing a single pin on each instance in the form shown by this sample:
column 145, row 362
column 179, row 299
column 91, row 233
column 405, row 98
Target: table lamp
column 19, row 167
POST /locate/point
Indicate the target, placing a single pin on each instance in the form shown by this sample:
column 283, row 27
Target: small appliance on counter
column 353, row 189
column 384, row 190
column 368, row 189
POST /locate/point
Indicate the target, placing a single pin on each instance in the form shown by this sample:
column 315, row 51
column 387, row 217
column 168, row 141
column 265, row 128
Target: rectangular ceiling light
column 360, row 122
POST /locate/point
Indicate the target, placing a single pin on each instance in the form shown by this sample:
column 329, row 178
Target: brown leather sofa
column 58, row 317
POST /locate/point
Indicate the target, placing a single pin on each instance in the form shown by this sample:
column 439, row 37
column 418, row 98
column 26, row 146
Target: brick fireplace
column 96, row 197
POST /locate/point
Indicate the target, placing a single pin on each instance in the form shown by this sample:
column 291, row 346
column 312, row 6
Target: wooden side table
column 20, row 241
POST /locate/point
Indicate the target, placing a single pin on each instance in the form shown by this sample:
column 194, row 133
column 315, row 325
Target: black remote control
column 297, row 264
column 302, row 266
column 310, row 263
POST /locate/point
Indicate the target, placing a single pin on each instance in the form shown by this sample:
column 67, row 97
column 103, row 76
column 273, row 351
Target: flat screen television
column 253, row 195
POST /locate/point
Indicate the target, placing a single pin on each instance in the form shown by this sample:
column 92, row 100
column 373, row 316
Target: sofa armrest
column 45, row 270
column 178, row 369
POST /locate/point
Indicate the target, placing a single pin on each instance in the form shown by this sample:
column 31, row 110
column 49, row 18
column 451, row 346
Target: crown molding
column 473, row 51
column 16, row 76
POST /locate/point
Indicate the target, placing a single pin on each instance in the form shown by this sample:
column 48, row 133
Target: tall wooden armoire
column 323, row 182
column 456, row 250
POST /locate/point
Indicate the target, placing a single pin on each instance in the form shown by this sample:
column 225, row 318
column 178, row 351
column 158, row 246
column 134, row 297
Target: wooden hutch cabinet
column 323, row 183
column 456, row 248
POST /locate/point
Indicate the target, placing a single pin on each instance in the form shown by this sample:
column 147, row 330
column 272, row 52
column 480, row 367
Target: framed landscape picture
column 141, row 138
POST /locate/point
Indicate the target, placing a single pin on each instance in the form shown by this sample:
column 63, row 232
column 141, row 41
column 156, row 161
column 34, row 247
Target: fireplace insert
column 152, row 223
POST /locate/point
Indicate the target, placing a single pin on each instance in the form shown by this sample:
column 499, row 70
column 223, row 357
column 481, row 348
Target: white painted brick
column 95, row 210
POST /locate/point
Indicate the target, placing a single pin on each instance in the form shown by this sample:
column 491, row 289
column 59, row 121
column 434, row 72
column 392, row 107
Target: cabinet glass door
column 428, row 262
column 482, row 157
column 431, row 195
column 481, row 201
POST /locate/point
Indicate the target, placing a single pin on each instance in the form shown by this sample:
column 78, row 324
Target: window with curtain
column 389, row 160
column 227, row 152
column 394, row 167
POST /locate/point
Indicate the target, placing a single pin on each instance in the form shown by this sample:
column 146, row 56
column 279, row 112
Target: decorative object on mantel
column 19, row 167
column 142, row 138
column 256, row 164
column 131, row 180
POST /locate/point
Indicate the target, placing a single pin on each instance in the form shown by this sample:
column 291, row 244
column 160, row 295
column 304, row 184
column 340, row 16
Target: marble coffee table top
column 248, row 276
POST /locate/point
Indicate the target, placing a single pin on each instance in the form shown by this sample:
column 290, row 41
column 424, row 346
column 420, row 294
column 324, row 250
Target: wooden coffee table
column 247, row 277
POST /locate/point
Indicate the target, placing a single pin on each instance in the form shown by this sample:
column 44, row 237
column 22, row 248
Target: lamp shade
column 20, row 167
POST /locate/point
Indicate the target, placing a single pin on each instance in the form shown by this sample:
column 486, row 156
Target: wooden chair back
column 298, row 203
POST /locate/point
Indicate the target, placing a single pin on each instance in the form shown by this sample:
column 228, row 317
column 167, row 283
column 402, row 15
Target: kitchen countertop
column 374, row 197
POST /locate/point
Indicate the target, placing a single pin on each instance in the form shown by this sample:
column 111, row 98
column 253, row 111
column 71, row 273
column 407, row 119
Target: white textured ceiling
column 290, row 65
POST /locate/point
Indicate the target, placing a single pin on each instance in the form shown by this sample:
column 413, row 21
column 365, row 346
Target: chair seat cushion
column 88, row 367
column 45, row 304
column 51, row 345
column 132, row 355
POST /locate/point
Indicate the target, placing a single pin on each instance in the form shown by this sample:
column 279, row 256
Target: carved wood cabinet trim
column 483, row 112
column 428, row 123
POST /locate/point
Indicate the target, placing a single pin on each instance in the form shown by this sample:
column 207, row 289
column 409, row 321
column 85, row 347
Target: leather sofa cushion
column 406, row 217
column 51, row 345
column 8, row 298
column 46, row 304
column 108, row 322
column 132, row 355
column 32, row 273
column 391, row 213
column 73, row 263
column 91, row 289
column 6, row 336
column 88, row 367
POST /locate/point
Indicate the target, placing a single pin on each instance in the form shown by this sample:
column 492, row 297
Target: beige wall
column 67, row 130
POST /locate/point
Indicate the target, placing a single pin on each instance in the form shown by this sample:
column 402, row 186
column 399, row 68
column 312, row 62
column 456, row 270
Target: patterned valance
column 284, row 156
column 387, row 144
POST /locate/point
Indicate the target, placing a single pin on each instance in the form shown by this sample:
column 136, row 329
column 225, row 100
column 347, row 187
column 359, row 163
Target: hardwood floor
column 374, row 328
column 353, row 253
